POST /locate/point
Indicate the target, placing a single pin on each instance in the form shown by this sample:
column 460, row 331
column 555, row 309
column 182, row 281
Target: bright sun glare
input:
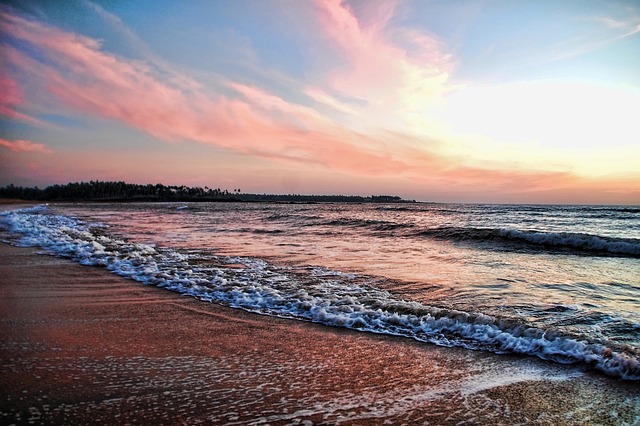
column 589, row 127
column 554, row 115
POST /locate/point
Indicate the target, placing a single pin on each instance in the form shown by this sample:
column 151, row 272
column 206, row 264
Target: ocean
column 560, row 283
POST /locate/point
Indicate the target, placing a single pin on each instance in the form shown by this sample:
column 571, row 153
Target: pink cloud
column 322, row 97
column 11, row 92
column 258, row 123
column 12, row 97
column 25, row 146
column 393, row 69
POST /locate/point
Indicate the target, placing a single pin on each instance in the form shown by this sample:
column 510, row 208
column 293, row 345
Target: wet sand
column 79, row 345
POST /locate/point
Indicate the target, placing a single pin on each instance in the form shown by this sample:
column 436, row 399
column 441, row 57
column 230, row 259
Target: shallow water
column 557, row 282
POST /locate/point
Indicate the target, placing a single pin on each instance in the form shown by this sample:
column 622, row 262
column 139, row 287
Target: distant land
column 128, row 192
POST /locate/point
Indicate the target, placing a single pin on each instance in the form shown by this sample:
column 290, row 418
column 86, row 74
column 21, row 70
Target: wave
column 396, row 209
column 317, row 294
column 594, row 244
column 261, row 231
column 635, row 210
column 376, row 225
column 507, row 238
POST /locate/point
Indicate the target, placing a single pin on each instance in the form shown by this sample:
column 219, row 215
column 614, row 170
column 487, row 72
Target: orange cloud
column 25, row 146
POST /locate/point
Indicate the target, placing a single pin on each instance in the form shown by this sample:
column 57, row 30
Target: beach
column 81, row 345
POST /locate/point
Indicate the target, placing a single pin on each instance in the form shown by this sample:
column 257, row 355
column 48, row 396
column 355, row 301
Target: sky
column 434, row 100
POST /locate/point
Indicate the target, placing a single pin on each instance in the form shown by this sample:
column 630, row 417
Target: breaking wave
column 316, row 294
column 504, row 238
column 594, row 244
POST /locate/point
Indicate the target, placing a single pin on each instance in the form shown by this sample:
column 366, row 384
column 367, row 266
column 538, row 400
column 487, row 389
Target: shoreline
column 82, row 345
column 11, row 202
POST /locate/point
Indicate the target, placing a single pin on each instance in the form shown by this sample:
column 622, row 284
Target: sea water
column 561, row 283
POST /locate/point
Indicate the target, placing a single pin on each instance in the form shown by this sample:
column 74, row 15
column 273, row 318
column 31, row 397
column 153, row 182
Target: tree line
column 99, row 190
column 122, row 191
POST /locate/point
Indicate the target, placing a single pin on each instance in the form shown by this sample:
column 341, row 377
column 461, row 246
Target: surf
column 318, row 295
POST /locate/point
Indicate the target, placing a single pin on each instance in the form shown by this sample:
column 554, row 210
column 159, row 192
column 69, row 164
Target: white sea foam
column 320, row 296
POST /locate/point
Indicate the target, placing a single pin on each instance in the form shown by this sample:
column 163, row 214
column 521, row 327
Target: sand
column 79, row 345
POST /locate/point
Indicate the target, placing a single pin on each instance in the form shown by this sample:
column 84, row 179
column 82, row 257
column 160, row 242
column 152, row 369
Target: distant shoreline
column 9, row 201
column 118, row 192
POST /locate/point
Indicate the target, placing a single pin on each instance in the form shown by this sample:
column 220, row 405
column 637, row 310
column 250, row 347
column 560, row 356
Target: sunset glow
column 490, row 101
